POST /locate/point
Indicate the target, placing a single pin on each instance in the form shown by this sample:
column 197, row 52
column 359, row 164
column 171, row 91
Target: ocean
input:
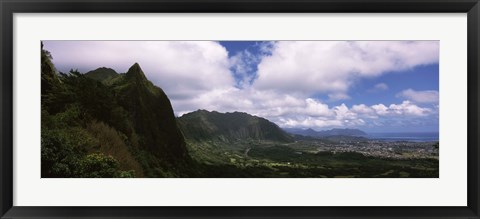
column 405, row 136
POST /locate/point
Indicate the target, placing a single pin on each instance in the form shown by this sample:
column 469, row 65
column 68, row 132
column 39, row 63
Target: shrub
column 97, row 166
column 62, row 150
column 112, row 143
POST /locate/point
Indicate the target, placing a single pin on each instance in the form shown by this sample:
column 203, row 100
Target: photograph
column 240, row 109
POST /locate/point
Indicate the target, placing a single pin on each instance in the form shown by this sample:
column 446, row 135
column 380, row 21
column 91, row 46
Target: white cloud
column 297, row 111
column 243, row 67
column 266, row 47
column 309, row 122
column 426, row 96
column 343, row 113
column 316, row 108
column 194, row 66
column 333, row 66
column 379, row 87
column 380, row 109
column 197, row 75
column 338, row 96
column 365, row 111
column 408, row 108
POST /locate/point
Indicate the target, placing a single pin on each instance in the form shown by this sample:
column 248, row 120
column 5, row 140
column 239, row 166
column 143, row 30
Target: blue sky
column 384, row 89
column 388, row 86
column 419, row 78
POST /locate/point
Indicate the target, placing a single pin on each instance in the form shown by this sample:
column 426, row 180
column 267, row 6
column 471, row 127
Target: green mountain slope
column 123, row 128
column 151, row 114
column 204, row 125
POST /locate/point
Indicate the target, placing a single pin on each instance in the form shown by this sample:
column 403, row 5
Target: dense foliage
column 123, row 128
column 264, row 159
column 205, row 125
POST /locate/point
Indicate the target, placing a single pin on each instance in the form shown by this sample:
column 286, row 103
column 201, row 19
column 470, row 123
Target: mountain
column 303, row 132
column 102, row 74
column 345, row 132
column 123, row 128
column 326, row 133
column 151, row 114
column 204, row 125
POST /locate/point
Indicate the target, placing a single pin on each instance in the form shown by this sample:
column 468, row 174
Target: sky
column 375, row 86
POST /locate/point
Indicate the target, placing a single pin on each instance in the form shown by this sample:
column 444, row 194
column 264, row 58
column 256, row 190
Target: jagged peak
column 135, row 65
column 136, row 72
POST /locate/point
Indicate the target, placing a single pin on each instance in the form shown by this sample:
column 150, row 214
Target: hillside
column 151, row 114
column 121, row 129
column 204, row 125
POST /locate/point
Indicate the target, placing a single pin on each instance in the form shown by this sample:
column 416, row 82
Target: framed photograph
column 228, row 109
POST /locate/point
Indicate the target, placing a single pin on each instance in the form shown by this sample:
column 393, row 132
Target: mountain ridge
column 203, row 125
column 326, row 133
column 102, row 74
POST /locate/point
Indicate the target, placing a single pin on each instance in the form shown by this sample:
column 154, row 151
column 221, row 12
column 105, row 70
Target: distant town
column 374, row 148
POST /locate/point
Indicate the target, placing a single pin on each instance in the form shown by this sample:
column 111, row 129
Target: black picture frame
column 9, row 7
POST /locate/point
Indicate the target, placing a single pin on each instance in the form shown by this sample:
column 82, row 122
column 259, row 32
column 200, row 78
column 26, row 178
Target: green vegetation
column 204, row 125
column 350, row 164
column 123, row 127
column 102, row 74
column 260, row 159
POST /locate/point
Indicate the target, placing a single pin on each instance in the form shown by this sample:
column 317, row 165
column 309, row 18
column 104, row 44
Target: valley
column 316, row 158
column 241, row 145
